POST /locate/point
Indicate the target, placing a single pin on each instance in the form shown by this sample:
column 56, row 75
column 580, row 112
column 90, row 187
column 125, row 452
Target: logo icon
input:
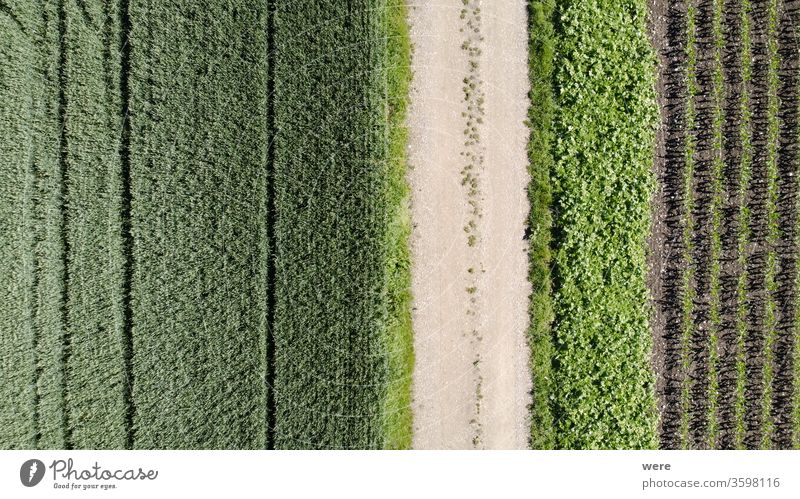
column 31, row 472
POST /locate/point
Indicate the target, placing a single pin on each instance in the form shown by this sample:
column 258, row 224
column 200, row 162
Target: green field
column 203, row 225
column 341, row 327
column 198, row 182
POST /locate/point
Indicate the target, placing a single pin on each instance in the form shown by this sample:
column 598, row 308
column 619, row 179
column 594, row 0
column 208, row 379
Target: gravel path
column 469, row 177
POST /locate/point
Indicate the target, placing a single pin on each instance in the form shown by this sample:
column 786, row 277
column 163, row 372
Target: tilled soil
column 736, row 391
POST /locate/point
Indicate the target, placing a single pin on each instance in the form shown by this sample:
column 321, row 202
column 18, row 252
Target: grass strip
column 399, row 340
column 198, row 154
column 602, row 185
column 540, row 120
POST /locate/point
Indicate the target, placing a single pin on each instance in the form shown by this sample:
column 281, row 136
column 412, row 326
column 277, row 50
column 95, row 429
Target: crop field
column 209, row 212
column 341, row 317
column 203, row 231
column 726, row 239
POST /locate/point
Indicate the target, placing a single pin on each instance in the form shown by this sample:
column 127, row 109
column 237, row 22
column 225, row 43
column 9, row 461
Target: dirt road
column 468, row 177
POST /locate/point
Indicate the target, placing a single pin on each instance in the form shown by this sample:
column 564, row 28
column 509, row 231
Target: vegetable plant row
column 593, row 120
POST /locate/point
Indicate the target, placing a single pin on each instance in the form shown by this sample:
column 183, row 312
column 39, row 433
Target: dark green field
column 202, row 225
column 339, row 274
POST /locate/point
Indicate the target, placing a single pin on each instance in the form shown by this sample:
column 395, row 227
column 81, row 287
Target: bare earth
column 469, row 178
